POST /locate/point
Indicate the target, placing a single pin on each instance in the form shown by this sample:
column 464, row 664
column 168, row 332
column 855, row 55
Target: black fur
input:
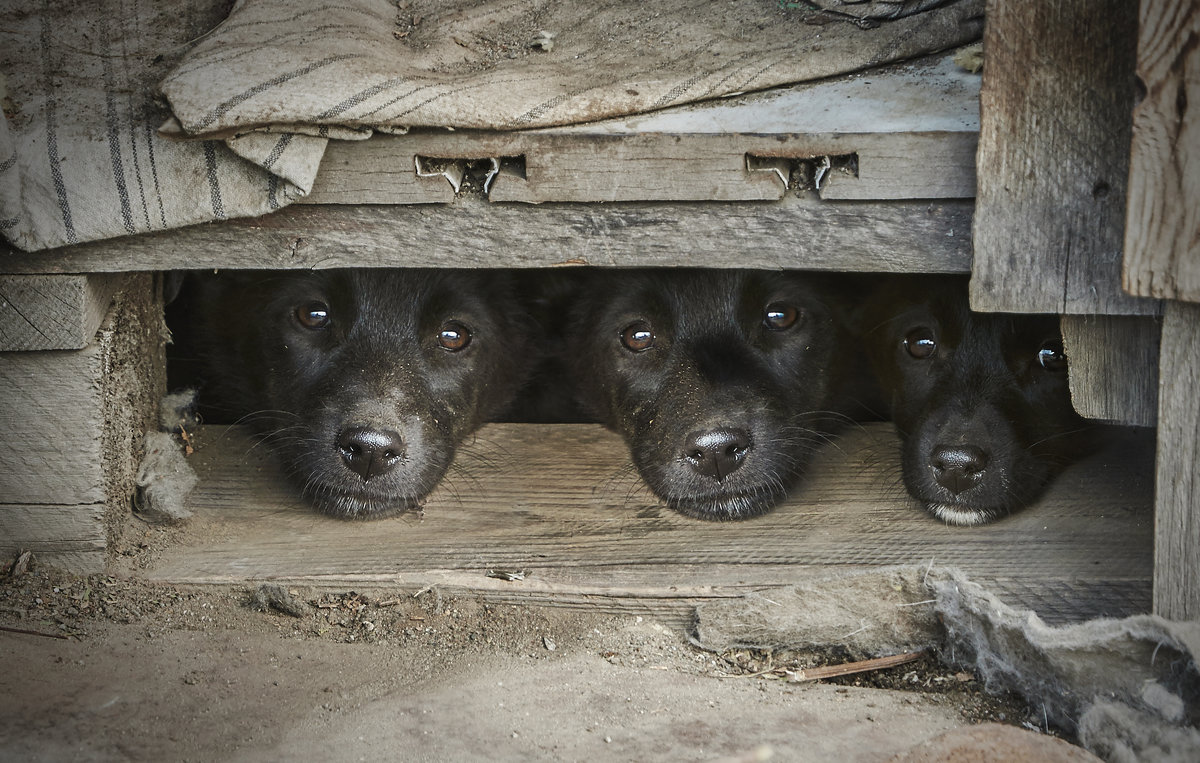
column 986, row 417
column 365, row 405
column 720, row 411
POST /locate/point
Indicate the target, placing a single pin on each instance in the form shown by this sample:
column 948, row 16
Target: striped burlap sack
column 81, row 157
column 278, row 77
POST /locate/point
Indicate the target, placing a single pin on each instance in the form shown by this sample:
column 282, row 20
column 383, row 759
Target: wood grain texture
column 1177, row 493
column 73, row 423
column 562, row 502
column 69, row 537
column 910, row 167
column 605, row 167
column 59, row 312
column 51, row 416
column 1055, row 125
column 900, row 236
column 1162, row 230
column 1113, row 367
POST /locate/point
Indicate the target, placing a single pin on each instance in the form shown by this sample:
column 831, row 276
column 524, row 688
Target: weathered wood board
column 562, row 502
column 73, row 422
column 1055, row 111
column 53, row 312
column 1177, row 494
column 897, row 236
column 1162, row 230
column 1114, row 366
column 50, row 413
column 913, row 128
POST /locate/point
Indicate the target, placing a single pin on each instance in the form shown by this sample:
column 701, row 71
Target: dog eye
column 920, row 343
column 1052, row 357
column 453, row 336
column 638, row 337
column 779, row 317
column 314, row 315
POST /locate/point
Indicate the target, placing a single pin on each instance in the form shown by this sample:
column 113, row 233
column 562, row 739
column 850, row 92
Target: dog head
column 980, row 400
column 363, row 381
column 719, row 381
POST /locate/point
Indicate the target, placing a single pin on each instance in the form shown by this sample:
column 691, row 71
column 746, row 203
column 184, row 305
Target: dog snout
column 717, row 453
column 370, row 452
column 958, row 467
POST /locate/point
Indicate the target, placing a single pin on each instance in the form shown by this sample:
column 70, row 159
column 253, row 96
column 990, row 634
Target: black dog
column 719, row 381
column 364, row 381
column 980, row 400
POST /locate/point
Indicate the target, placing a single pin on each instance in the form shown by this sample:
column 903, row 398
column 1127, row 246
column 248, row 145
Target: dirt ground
column 108, row 668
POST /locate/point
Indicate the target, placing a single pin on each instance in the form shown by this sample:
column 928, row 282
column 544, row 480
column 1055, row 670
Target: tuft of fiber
column 164, row 480
column 177, row 412
column 866, row 613
column 274, row 596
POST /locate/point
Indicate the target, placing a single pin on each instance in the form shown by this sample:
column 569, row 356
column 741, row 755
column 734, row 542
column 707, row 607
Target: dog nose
column 718, row 452
column 958, row 467
column 370, row 452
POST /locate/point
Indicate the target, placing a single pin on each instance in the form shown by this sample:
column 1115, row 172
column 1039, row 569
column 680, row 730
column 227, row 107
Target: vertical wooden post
column 1055, row 121
column 1162, row 231
column 1177, row 488
column 1114, row 367
column 1162, row 259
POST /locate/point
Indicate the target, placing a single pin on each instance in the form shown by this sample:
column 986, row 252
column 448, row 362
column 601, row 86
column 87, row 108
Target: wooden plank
column 562, row 502
column 73, row 423
column 888, row 169
column 639, row 168
column 71, row 537
column 1177, row 493
column 1162, row 230
column 913, row 128
column 616, row 168
column 1113, row 367
column 51, row 413
column 902, row 236
column 59, row 312
column 1053, row 158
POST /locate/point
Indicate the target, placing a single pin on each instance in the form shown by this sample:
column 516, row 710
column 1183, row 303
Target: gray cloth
column 80, row 153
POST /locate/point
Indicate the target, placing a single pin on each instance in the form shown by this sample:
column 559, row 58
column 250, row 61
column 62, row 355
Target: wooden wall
column 74, row 420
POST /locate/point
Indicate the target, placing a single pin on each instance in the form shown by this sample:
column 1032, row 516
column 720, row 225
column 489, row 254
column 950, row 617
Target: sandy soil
column 118, row 669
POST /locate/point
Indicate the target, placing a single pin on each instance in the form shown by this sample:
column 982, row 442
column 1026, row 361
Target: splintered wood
column 562, row 506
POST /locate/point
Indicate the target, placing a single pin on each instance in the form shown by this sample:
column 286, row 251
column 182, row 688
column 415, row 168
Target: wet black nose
column 370, row 452
column 959, row 467
column 718, row 452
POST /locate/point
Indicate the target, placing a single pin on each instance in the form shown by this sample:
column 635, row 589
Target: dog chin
column 360, row 505
column 723, row 508
column 963, row 516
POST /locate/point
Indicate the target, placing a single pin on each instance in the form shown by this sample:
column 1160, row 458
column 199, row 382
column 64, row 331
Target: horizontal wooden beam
column 604, row 167
column 794, row 232
column 51, row 413
column 53, row 312
column 68, row 537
